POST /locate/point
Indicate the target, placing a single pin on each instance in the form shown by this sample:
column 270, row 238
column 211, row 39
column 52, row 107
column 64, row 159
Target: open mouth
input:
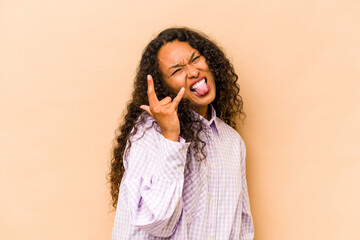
column 201, row 87
column 199, row 84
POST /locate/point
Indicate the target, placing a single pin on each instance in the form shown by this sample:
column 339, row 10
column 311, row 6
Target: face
column 183, row 66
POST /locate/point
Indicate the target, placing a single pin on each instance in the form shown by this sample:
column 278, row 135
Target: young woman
column 178, row 170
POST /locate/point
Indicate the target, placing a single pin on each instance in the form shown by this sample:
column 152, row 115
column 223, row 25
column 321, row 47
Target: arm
column 156, row 169
column 247, row 225
column 154, row 183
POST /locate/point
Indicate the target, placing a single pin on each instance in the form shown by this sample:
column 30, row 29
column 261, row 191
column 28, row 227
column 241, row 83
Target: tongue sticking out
column 202, row 89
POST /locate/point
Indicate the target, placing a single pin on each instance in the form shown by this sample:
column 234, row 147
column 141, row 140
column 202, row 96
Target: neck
column 204, row 111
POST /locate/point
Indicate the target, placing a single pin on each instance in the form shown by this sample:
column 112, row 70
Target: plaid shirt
column 166, row 193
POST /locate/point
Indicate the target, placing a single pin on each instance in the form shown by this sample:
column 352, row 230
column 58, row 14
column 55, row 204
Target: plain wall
column 66, row 72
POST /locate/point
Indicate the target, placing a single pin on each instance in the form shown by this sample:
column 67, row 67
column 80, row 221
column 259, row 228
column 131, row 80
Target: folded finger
column 165, row 101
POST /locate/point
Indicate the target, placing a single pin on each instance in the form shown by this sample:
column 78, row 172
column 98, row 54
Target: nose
column 192, row 72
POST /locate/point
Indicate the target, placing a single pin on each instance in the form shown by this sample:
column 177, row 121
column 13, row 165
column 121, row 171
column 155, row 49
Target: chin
column 204, row 102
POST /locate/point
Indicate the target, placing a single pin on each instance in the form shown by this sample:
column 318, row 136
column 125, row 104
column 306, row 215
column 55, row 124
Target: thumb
column 147, row 109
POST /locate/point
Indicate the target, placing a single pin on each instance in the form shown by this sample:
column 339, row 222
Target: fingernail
column 148, row 77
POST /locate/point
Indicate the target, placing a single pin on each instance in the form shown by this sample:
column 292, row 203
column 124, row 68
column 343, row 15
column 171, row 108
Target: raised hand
column 164, row 111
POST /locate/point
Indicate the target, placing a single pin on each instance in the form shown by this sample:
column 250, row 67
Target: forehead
column 175, row 53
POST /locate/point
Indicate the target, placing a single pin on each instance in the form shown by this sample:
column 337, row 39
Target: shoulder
column 146, row 132
column 230, row 136
column 142, row 142
column 226, row 131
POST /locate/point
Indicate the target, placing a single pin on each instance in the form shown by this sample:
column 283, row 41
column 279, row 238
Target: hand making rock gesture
column 164, row 112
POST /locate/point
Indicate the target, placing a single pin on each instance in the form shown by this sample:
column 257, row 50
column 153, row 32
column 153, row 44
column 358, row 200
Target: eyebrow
column 179, row 65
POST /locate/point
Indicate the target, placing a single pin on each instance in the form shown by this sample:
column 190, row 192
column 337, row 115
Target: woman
column 178, row 170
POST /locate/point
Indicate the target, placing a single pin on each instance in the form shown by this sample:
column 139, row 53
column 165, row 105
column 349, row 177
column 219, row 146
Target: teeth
column 197, row 84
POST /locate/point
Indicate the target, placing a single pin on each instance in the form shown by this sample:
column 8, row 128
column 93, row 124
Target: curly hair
column 228, row 103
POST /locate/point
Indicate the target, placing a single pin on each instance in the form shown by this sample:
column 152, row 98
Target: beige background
column 66, row 70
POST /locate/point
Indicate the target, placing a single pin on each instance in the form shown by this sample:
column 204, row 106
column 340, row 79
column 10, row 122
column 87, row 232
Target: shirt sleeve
column 154, row 183
column 247, row 225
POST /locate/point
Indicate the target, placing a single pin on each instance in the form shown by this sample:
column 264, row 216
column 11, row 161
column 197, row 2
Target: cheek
column 176, row 84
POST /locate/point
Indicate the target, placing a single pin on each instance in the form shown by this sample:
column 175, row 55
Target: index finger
column 151, row 91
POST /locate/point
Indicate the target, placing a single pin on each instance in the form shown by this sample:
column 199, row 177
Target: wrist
column 171, row 136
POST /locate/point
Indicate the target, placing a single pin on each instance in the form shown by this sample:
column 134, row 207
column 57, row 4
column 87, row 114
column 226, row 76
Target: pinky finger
column 178, row 97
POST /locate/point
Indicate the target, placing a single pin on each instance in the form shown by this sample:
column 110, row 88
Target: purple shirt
column 166, row 193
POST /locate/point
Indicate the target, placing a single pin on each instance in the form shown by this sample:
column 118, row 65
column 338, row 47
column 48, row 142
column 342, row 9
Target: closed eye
column 177, row 70
column 196, row 58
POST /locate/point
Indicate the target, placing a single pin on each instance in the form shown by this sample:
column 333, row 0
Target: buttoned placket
column 183, row 150
column 212, row 171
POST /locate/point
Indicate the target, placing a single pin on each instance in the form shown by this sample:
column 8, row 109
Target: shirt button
column 212, row 165
column 183, row 149
column 209, row 237
column 181, row 168
column 211, row 201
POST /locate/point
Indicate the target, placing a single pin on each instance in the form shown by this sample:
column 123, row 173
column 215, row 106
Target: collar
column 213, row 122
